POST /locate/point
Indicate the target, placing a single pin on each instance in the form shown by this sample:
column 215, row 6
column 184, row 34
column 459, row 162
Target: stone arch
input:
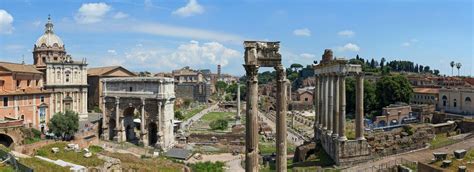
column 394, row 122
column 403, row 120
column 129, row 125
column 382, row 123
column 152, row 133
column 6, row 140
column 112, row 131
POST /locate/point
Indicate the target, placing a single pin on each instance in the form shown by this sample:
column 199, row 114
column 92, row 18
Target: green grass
column 268, row 148
column 193, row 111
column 456, row 163
column 212, row 116
column 132, row 163
column 31, row 140
column 40, row 165
column 69, row 156
column 208, row 166
column 6, row 168
column 441, row 140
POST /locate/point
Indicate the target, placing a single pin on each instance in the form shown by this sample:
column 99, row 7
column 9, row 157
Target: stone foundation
column 345, row 153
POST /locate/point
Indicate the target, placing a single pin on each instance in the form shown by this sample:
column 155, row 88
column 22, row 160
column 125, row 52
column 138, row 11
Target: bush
column 178, row 115
column 95, row 149
column 408, row 129
column 208, row 166
column 219, row 124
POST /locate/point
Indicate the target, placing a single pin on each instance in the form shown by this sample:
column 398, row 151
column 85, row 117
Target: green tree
column 221, row 86
column 392, row 89
column 178, row 115
column 370, row 97
column 219, row 124
column 295, row 66
column 64, row 125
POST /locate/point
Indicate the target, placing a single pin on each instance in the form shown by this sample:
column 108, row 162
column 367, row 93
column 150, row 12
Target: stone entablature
column 146, row 101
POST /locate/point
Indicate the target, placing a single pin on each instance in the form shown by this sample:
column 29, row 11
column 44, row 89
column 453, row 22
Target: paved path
column 186, row 124
column 291, row 137
column 424, row 155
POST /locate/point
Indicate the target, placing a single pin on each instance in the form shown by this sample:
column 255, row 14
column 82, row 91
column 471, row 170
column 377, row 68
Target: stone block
column 440, row 156
column 459, row 154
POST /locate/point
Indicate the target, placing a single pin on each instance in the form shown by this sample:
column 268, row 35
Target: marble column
column 316, row 106
column 237, row 117
column 105, row 121
column 159, row 126
column 360, row 107
column 251, row 125
column 143, row 132
column 335, row 120
column 342, row 108
column 331, row 103
column 320, row 102
column 118, row 125
column 281, row 130
column 325, row 102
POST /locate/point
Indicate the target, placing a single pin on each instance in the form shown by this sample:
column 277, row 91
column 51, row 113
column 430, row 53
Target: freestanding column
column 118, row 126
column 360, row 107
column 237, row 117
column 331, row 103
column 160, row 126
column 143, row 133
column 325, row 102
column 342, row 108
column 251, row 132
column 335, row 119
column 281, row 119
column 320, row 102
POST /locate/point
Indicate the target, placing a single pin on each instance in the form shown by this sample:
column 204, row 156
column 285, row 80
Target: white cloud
column 346, row 33
column 302, row 32
column 92, row 12
column 148, row 4
column 191, row 8
column 120, row 15
column 184, row 32
column 6, row 22
column 193, row 53
column 36, row 23
column 112, row 51
column 349, row 47
column 307, row 55
column 409, row 43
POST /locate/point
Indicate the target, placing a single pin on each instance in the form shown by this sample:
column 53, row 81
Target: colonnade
column 330, row 104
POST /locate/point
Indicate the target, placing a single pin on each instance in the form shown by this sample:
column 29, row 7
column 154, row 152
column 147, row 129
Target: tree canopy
column 64, row 124
column 392, row 89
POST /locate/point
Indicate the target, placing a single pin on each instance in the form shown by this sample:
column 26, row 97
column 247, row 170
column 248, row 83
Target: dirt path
column 424, row 155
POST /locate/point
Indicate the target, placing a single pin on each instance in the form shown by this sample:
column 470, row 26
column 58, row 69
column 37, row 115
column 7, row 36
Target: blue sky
column 161, row 35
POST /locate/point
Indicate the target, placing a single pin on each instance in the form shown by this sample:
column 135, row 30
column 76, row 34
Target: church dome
column 49, row 38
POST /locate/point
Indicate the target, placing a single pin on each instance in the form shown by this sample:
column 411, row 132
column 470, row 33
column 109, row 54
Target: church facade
column 64, row 77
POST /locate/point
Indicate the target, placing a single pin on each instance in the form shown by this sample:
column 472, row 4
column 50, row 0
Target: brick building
column 22, row 95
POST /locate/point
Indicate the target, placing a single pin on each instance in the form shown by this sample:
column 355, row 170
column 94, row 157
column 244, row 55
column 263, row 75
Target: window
column 130, row 89
column 454, row 102
column 5, row 101
column 67, row 77
column 28, row 83
column 306, row 99
column 444, row 100
column 468, row 99
column 18, row 83
column 42, row 99
column 38, row 83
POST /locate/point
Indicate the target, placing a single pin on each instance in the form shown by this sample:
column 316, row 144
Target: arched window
column 444, row 100
column 467, row 100
column 454, row 102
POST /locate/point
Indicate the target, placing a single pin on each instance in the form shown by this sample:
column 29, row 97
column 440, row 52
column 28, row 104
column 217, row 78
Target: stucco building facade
column 64, row 77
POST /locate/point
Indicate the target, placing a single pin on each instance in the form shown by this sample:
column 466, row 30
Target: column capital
column 251, row 72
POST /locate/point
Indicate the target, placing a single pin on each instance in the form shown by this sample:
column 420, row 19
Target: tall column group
column 330, row 104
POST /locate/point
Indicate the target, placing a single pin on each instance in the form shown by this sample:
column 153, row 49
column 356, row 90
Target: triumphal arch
column 139, row 110
column 264, row 54
column 330, row 108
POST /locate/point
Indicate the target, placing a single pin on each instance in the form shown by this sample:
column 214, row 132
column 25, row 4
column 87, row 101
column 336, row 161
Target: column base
column 334, row 136
column 342, row 138
column 361, row 138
